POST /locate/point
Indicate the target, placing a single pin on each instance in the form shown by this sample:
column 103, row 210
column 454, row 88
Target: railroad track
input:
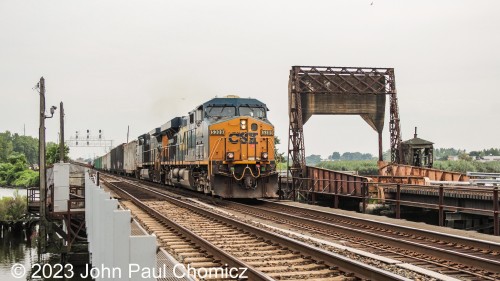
column 457, row 257
column 454, row 256
column 220, row 240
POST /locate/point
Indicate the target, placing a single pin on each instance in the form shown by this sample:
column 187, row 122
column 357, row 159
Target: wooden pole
column 61, row 141
column 43, row 180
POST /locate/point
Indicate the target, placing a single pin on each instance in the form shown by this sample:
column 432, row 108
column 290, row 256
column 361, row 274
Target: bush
column 363, row 167
column 13, row 208
column 26, row 178
column 16, row 173
column 463, row 166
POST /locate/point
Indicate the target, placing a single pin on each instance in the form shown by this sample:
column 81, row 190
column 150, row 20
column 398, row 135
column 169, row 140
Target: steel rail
column 488, row 264
column 487, row 245
column 345, row 264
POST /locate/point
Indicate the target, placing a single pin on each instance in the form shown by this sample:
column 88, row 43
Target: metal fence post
column 398, row 201
column 313, row 195
column 441, row 201
column 365, row 193
column 496, row 227
column 97, row 179
column 336, row 196
column 280, row 190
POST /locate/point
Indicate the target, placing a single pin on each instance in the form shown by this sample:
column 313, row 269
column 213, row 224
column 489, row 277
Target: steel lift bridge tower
column 340, row 91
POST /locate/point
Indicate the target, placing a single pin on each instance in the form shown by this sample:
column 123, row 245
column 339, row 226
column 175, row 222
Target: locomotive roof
column 235, row 102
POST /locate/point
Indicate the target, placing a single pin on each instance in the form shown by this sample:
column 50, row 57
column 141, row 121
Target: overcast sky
column 141, row 63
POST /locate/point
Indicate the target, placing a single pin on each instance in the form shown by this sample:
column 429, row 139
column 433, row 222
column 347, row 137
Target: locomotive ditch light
column 230, row 156
column 265, row 155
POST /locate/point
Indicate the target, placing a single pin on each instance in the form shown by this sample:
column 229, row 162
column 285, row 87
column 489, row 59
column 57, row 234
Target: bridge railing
column 340, row 185
column 440, row 192
column 324, row 181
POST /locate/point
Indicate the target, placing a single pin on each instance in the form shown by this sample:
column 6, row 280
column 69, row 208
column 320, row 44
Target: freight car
column 129, row 158
column 224, row 147
column 117, row 158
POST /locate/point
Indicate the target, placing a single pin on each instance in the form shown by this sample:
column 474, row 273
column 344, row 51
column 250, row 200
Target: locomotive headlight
column 265, row 155
column 243, row 124
column 230, row 156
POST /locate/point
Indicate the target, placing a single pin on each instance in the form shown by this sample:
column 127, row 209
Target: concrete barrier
column 114, row 253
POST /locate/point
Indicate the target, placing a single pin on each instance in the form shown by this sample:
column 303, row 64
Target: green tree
column 13, row 209
column 26, row 145
column 16, row 173
column 335, row 156
column 279, row 157
column 52, row 155
column 465, row 157
column 491, row 151
column 313, row 159
column 6, row 147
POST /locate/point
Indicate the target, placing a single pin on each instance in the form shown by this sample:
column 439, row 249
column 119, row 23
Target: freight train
column 224, row 147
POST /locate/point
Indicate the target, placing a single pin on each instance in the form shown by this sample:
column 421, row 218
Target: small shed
column 418, row 152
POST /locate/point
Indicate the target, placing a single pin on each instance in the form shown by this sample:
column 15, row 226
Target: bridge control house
column 418, row 152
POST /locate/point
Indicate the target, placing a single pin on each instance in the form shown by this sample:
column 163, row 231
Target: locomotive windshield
column 257, row 112
column 221, row 111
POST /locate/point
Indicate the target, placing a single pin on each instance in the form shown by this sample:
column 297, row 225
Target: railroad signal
column 89, row 140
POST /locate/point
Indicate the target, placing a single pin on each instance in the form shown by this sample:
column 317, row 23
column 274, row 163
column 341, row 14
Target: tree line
column 19, row 159
column 366, row 163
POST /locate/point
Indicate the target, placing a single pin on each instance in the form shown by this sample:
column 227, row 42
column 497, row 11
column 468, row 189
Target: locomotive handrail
column 211, row 155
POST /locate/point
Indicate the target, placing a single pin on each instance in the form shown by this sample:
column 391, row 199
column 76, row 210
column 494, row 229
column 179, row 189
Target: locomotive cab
column 241, row 141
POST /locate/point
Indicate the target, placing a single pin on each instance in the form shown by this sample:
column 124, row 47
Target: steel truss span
column 319, row 90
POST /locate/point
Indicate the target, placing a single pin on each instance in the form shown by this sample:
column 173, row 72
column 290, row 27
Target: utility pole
column 128, row 130
column 61, row 141
column 41, row 165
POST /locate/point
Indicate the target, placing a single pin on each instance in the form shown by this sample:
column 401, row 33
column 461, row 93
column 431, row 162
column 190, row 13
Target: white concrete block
column 61, row 193
column 142, row 256
column 121, row 244
column 60, row 205
column 96, row 225
column 61, row 174
column 100, row 232
column 108, row 207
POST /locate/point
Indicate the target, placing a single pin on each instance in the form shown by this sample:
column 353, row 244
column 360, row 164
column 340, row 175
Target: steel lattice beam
column 306, row 80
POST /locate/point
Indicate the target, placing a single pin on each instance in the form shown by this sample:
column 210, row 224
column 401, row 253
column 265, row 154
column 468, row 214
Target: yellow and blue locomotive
column 224, row 147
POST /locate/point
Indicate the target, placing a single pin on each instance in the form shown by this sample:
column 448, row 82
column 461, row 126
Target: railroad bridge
column 362, row 91
column 458, row 206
